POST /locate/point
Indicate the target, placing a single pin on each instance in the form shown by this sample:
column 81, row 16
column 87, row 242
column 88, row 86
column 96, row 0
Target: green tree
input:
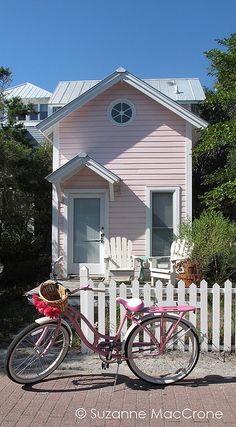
column 25, row 195
column 215, row 155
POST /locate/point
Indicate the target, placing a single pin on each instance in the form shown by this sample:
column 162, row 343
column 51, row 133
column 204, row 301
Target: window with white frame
column 121, row 112
column 40, row 112
column 164, row 212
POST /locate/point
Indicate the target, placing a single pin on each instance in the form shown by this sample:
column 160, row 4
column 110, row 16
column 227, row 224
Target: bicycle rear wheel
column 158, row 365
column 36, row 352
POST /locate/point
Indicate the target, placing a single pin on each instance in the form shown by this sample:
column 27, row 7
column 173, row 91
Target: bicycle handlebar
column 87, row 288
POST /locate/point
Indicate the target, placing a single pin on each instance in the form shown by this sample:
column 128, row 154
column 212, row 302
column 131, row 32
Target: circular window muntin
column 130, row 107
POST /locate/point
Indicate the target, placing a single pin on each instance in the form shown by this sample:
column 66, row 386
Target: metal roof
column 27, row 91
column 183, row 90
column 121, row 75
column 35, row 134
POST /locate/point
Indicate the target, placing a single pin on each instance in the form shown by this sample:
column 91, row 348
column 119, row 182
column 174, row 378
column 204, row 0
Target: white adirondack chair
column 163, row 268
column 119, row 261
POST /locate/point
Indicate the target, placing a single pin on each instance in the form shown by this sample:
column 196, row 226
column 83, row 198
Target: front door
column 86, row 243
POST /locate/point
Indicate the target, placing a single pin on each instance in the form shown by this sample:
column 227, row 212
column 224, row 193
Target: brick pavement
column 54, row 401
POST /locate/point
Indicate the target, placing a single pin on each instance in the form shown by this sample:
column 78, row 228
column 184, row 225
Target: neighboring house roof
column 27, row 91
column 76, row 164
column 121, row 75
column 188, row 90
column 35, row 134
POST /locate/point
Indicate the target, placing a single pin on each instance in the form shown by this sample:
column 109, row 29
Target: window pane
column 162, row 223
column 54, row 109
column 115, row 113
column 117, row 118
column 162, row 209
column 125, row 106
column 161, row 241
column 86, row 230
column 117, row 107
column 34, row 116
column 125, row 119
column 22, row 117
column 128, row 112
column 43, row 111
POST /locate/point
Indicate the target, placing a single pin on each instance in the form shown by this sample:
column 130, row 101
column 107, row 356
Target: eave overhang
column 74, row 165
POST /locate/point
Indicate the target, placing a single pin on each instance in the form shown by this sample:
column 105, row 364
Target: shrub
column 213, row 237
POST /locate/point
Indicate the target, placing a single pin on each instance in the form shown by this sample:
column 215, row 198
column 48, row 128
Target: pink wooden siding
column 148, row 152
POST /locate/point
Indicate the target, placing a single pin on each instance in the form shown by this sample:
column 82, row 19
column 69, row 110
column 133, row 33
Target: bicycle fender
column 150, row 316
column 44, row 320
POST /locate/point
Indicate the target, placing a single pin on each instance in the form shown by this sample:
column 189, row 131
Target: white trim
column 56, row 146
column 80, row 101
column 109, row 82
column 165, row 101
column 188, row 174
column 74, row 165
column 176, row 211
column 55, row 224
column 55, row 196
column 68, row 195
column 117, row 101
column 65, row 233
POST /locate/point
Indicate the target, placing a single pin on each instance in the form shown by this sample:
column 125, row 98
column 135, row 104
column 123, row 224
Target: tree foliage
column 215, row 155
column 25, row 195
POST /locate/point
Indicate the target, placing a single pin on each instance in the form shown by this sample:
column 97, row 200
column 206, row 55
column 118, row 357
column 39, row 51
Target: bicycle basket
column 54, row 294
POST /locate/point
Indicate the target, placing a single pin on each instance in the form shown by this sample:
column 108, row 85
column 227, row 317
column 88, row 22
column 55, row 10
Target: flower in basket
column 52, row 312
column 44, row 309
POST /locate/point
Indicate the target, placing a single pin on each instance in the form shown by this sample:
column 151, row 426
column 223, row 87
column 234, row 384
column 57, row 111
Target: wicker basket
column 54, row 294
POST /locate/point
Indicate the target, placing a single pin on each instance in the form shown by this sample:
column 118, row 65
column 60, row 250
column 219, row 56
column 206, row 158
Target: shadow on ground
column 87, row 382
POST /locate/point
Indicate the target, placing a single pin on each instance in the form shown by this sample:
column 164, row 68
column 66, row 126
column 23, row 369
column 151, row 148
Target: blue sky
column 50, row 40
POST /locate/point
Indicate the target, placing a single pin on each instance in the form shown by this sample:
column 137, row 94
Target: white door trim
column 68, row 195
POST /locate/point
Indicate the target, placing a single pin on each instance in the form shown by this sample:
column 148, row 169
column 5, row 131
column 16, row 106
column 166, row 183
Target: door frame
column 69, row 195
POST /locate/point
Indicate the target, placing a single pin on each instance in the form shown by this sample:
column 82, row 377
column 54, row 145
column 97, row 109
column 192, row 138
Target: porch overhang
column 74, row 165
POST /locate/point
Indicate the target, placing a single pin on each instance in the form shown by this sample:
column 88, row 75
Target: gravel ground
column 208, row 364
column 215, row 364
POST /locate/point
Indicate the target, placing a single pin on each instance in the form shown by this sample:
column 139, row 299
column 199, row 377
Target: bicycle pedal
column 105, row 365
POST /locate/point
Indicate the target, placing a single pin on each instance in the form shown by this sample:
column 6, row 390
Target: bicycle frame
column 113, row 341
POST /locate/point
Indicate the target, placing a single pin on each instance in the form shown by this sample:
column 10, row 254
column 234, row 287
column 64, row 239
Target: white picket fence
column 214, row 318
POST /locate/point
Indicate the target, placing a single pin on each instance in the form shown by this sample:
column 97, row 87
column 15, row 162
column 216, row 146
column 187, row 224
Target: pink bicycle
column 160, row 346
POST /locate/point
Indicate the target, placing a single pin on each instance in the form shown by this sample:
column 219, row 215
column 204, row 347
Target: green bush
column 214, row 245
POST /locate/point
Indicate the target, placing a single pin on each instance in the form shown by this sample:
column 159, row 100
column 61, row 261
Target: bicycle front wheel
column 36, row 352
column 159, row 356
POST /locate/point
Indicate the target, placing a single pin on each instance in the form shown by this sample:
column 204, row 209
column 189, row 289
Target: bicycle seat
column 131, row 304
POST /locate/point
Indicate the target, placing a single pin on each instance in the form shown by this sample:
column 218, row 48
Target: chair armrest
column 158, row 260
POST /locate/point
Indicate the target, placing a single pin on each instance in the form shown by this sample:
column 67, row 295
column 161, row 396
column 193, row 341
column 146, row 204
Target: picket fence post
column 204, row 314
column 227, row 315
column 86, row 308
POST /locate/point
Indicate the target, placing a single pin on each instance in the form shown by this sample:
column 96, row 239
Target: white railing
column 214, row 318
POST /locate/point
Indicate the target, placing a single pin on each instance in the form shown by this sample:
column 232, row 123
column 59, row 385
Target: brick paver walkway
column 84, row 398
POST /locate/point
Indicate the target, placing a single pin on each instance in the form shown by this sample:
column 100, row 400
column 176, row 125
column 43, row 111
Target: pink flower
column 43, row 308
column 52, row 312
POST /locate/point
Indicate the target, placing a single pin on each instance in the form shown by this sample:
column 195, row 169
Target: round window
column 121, row 112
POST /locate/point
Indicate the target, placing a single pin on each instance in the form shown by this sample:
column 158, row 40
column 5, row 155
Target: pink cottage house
column 121, row 165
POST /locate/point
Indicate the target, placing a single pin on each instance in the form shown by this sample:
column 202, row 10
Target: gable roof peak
column 82, row 155
column 121, row 70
